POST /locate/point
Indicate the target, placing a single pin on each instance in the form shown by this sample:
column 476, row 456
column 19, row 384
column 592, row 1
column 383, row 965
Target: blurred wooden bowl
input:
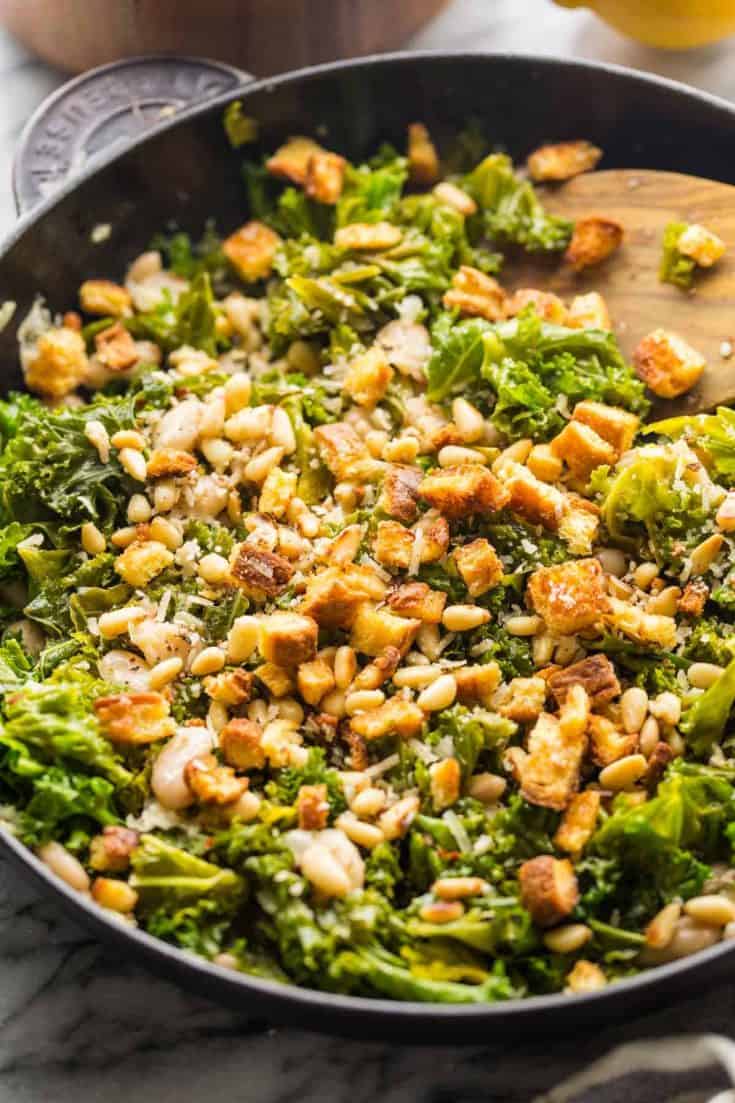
column 262, row 36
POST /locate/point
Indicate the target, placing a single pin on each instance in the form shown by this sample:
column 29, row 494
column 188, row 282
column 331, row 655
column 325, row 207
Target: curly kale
column 675, row 267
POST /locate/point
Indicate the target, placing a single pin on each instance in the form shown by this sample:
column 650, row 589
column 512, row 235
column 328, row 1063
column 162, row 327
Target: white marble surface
column 78, row 1025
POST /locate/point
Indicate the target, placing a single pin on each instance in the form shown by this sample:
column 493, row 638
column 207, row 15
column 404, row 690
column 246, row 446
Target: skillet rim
column 291, row 1004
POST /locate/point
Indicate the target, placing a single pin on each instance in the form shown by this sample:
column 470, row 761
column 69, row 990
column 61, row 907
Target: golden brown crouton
column 476, row 295
column 368, row 376
column 476, row 684
column 393, row 545
column 276, row 679
column 667, row 364
column 368, row 236
column 379, row 670
column 211, row 783
column 106, row 298
column 570, row 596
column 640, row 626
column 251, row 249
column 373, row 630
column 445, row 779
column 416, row 599
column 325, row 176
column 240, row 743
column 463, row 490
column 534, row 500
column 433, row 532
column 595, row 673
column 344, row 453
column 332, row 599
column 585, row 976
column 546, row 304
column 608, row 743
column 479, row 565
column 544, row 464
column 423, row 160
column 277, row 492
column 111, row 851
column 57, row 364
column 134, row 719
column 593, row 240
column 588, row 312
column 314, row 680
column 116, row 350
column 523, row 700
column 616, row 426
column 702, row 245
column 582, row 449
column 693, row 600
column 578, row 822
column 395, row 717
column 291, row 160
column 288, row 639
column 548, row 889
column 579, row 526
column 549, row 775
column 142, row 561
column 399, row 494
column 562, row 161
column 231, row 687
column 261, row 574
column 169, row 462
column 312, row 807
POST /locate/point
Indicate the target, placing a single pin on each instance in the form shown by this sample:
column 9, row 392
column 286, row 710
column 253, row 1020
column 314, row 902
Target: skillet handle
column 107, row 107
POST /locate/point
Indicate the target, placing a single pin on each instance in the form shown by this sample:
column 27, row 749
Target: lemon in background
column 674, row 24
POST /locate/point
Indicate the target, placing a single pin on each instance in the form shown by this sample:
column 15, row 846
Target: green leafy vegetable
column 675, row 267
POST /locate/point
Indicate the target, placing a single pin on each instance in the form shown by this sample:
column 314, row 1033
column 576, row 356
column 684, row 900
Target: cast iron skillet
column 187, row 172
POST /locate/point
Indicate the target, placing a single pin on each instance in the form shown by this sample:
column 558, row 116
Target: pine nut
column 98, row 437
column 403, row 450
column 542, row 649
column 487, row 788
column 442, row 911
column 666, row 707
column 633, row 709
column 321, row 867
column 523, row 625
column 397, row 819
column 133, row 461
column 451, row 455
column 468, row 419
column 459, row 888
column 123, row 538
column 290, row 709
column 376, row 441
column 226, row 961
column 345, row 666
column 463, row 618
column 333, row 703
column 327, row 655
column 644, row 575
column 165, row 672
column 217, row 716
column 93, row 541
column 416, row 677
column 117, row 622
column 212, row 421
column 369, row 802
column 258, row 469
column 703, row 675
column 238, row 389
column 165, row 495
column 214, row 568
column 705, row 554
column 624, row 773
column 662, row 927
column 166, row 532
column 665, row 603
column 242, row 639
column 258, row 711
column 613, row 561
column 438, row 696
column 139, row 509
column 363, row 834
column 726, row 513
column 565, row 650
column 650, row 736
column 300, row 515
column 690, row 937
column 246, row 807
column 282, row 432
column 567, row 939
column 115, row 895
column 128, row 438
column 715, row 911
column 676, row 743
column 65, row 866
column 209, row 661
column 363, row 700
column 428, row 641
column 217, row 452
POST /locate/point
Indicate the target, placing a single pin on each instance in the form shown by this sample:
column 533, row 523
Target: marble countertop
column 77, row 1024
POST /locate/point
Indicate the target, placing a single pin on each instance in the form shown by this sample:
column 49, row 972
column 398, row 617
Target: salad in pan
column 358, row 629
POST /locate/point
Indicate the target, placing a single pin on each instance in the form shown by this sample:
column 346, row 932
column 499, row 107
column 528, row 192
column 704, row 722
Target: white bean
column 65, row 866
column 167, row 778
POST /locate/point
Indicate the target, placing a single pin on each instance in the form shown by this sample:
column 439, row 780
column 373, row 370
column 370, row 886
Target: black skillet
column 136, row 182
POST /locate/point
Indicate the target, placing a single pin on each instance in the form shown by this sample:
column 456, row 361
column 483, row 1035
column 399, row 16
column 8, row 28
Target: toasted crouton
column 291, row 160
column 168, row 462
column 578, row 528
column 522, row 700
column 460, row 491
column 585, row 976
column 332, row 599
column 240, row 743
column 231, row 687
column 616, row 426
column 134, row 719
column 373, row 630
column 276, row 679
column 423, row 160
column 479, row 565
column 544, row 464
column 142, row 561
column 277, row 491
column 344, row 453
column 550, row 773
column 667, row 364
column 533, row 499
column 455, row 197
column 251, row 249
column 570, row 596
column 399, row 494
column 546, row 304
column 445, row 779
column 393, row 545
column 57, row 364
column 314, row 680
column 704, row 247
column 312, row 807
column 608, row 743
column 593, row 240
column 111, row 851
column 549, row 889
column 416, row 599
column 211, row 783
column 288, row 639
column 260, row 573
column 640, row 626
column 395, row 717
column 376, row 673
column 693, row 600
column 476, row 295
column 595, row 673
column 368, row 236
column 115, row 348
column 578, row 822
column 476, row 684
column 368, row 376
column 105, row 298
column 588, row 312
column 582, row 449
column 325, row 175
column 562, row 160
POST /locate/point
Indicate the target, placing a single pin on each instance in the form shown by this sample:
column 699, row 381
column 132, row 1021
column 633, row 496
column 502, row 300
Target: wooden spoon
column 643, row 202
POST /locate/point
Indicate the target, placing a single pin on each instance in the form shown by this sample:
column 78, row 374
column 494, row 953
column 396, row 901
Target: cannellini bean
column 703, row 675
column 468, row 419
column 214, row 568
column 644, row 575
column 242, row 639
column 179, row 426
column 119, row 621
column 689, row 937
column 368, row 802
column 167, row 778
column 567, row 939
column 65, row 866
column 666, row 707
column 125, row 668
column 717, row 911
column 633, row 709
column 613, row 561
column 487, row 787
